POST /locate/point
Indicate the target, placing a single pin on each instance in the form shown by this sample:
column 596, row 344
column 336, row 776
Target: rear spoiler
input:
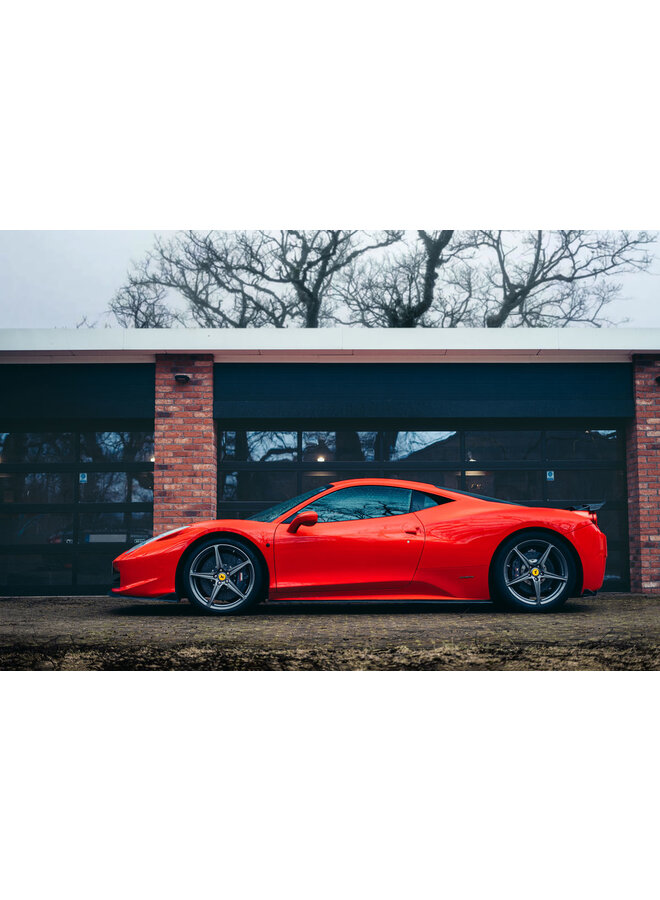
column 588, row 507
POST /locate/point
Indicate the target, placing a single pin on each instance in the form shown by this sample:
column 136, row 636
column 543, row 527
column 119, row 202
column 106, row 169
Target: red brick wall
column 643, row 459
column 185, row 468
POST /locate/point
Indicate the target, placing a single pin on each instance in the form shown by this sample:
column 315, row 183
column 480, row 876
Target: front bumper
column 117, row 591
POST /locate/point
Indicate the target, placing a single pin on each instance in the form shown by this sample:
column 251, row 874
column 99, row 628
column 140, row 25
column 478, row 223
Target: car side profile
column 373, row 538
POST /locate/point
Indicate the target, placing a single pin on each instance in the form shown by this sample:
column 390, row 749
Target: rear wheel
column 223, row 577
column 533, row 571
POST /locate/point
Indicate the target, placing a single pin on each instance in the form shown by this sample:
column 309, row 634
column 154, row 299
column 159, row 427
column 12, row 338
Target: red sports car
column 373, row 538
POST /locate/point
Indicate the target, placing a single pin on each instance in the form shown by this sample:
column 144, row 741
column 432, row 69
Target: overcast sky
column 54, row 278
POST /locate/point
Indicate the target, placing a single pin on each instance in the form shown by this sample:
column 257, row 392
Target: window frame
column 77, row 551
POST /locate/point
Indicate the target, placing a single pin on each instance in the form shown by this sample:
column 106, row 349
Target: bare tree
column 439, row 279
column 138, row 305
column 429, row 283
column 394, row 292
column 253, row 278
column 544, row 278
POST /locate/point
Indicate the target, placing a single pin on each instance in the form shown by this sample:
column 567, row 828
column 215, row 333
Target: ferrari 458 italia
column 373, row 538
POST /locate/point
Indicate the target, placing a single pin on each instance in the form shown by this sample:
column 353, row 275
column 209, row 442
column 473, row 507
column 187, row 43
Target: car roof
column 416, row 486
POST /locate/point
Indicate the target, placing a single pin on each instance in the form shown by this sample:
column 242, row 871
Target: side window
column 362, row 502
column 426, row 501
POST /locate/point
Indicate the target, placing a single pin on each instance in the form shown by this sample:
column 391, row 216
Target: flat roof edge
column 329, row 344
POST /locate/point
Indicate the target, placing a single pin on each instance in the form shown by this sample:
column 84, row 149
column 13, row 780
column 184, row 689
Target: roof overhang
column 366, row 345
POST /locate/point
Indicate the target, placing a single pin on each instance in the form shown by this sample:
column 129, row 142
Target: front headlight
column 157, row 537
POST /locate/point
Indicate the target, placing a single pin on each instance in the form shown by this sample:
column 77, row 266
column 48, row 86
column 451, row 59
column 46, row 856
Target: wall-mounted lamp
column 657, row 379
column 181, row 378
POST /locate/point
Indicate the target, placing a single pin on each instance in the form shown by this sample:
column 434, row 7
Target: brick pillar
column 643, row 462
column 185, row 469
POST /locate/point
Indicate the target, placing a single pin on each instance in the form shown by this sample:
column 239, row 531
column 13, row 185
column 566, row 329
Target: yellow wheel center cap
column 221, row 576
column 536, row 572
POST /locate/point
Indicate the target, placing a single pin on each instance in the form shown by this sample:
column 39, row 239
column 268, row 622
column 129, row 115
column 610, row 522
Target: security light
column 181, row 378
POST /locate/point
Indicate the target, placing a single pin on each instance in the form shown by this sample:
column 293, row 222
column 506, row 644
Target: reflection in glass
column 32, row 446
column 584, row 443
column 363, row 502
column 36, row 487
column 257, row 486
column 311, row 480
column 36, row 528
column 502, row 445
column 117, row 446
column 514, row 485
column 339, row 446
column 103, row 528
column 142, row 487
column 421, row 446
column 104, row 487
column 436, row 478
column 259, row 446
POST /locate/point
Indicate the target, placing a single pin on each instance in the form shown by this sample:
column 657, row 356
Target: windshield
column 274, row 512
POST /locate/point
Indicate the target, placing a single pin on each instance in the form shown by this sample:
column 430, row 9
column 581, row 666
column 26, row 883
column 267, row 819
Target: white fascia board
column 341, row 344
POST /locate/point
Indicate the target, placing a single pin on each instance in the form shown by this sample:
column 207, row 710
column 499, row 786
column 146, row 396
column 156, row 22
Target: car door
column 366, row 542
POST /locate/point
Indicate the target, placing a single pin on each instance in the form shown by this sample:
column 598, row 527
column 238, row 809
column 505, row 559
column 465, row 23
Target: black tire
column 541, row 583
column 224, row 576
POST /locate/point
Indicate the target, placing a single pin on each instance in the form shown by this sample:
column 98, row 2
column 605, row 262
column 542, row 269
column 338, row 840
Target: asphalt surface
column 611, row 631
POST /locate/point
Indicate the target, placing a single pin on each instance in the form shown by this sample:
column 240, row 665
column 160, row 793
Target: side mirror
column 306, row 517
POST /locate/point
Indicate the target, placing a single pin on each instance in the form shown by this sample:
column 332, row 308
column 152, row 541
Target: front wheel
column 223, row 577
column 534, row 571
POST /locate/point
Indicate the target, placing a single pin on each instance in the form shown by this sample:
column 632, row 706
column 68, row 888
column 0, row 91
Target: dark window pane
column 143, row 487
column 103, row 528
column 587, row 485
column 365, row 502
column 584, row 443
column 421, row 446
column 259, row 446
column 339, row 446
column 614, row 523
column 104, row 487
column 32, row 446
column 450, row 480
column 142, row 526
column 236, row 511
column 36, row 528
column 311, row 480
column 36, row 487
column 266, row 486
column 517, row 486
column 617, row 571
column 493, row 446
column 95, row 569
column 117, row 446
column 40, row 570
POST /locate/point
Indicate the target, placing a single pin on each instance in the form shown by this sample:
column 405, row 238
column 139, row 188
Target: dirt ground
column 611, row 631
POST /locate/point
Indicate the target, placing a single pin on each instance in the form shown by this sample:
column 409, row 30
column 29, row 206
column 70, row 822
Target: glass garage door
column 70, row 501
column 552, row 467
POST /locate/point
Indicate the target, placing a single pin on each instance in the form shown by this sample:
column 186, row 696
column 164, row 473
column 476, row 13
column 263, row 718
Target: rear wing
column 588, row 507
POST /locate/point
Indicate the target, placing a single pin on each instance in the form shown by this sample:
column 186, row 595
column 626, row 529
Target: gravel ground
column 611, row 631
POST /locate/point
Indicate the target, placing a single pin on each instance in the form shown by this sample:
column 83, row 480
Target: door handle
column 411, row 531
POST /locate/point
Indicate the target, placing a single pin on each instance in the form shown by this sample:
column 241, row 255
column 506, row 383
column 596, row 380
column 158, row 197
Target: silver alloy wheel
column 536, row 571
column 221, row 576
